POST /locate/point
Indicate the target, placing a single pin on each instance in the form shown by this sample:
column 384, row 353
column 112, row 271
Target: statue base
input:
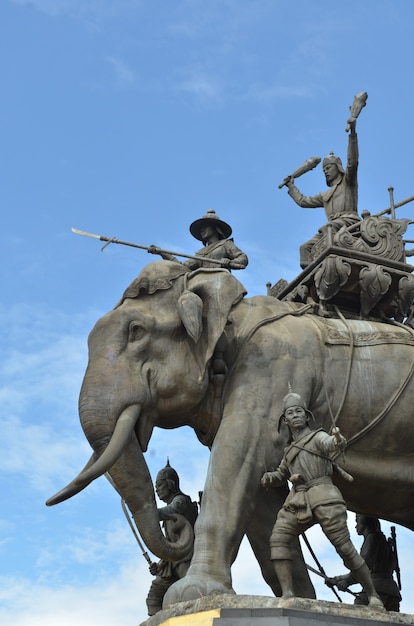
column 234, row 610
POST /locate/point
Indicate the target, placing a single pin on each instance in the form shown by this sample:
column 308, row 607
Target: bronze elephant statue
column 187, row 348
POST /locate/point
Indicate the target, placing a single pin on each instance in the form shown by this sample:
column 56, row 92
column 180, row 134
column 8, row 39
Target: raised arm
column 306, row 202
column 353, row 154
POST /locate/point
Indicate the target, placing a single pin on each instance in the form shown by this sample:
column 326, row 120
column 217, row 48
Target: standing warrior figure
column 214, row 233
column 378, row 554
column 313, row 498
column 341, row 200
column 167, row 486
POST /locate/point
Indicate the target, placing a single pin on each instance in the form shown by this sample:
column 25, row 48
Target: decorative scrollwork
column 406, row 294
column 346, row 239
column 330, row 276
column 374, row 282
column 376, row 235
column 319, row 247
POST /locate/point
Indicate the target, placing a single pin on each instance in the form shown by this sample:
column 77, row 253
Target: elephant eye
column 136, row 332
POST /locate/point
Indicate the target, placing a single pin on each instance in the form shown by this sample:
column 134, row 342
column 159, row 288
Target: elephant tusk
column 96, row 467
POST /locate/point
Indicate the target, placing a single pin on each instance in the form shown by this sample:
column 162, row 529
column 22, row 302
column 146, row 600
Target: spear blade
column 147, row 248
column 85, row 234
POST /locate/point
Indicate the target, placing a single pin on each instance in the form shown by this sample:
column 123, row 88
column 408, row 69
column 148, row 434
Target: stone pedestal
column 229, row 610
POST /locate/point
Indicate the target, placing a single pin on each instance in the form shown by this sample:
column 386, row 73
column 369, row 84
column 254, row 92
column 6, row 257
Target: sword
column 321, row 570
column 315, row 571
column 134, row 532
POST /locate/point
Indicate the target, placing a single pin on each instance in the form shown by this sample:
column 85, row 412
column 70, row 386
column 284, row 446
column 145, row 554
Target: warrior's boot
column 363, row 576
column 283, row 569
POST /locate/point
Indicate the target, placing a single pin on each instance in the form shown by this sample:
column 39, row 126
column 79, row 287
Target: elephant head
column 149, row 365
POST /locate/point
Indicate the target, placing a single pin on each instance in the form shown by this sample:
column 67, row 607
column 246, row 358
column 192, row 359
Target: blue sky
column 130, row 119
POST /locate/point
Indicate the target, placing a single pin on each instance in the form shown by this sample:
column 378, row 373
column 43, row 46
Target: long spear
column 151, row 249
column 390, row 209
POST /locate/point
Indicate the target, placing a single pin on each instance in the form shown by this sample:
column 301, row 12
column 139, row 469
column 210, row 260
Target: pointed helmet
column 294, row 399
column 169, row 473
column 332, row 158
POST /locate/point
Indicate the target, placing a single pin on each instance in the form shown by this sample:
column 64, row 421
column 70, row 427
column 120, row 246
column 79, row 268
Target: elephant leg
column 258, row 532
column 235, row 468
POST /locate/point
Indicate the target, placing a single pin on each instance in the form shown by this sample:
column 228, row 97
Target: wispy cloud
column 118, row 598
column 78, row 8
column 273, row 92
column 43, row 358
column 123, row 72
column 58, row 7
column 201, row 85
column 112, row 541
column 40, row 455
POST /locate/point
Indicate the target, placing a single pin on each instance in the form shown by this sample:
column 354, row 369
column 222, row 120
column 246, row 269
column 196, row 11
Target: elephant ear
column 190, row 310
column 205, row 305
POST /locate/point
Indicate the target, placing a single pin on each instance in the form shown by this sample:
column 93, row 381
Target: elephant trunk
column 124, row 461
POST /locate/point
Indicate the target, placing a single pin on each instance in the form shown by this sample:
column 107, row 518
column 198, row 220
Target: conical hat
column 210, row 218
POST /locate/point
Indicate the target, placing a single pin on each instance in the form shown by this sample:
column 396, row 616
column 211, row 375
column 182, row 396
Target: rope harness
column 254, row 329
column 302, row 311
column 392, row 401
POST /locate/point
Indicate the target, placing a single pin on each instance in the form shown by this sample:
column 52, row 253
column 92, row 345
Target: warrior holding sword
column 341, row 200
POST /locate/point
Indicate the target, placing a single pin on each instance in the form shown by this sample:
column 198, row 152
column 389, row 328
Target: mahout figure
column 214, row 233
